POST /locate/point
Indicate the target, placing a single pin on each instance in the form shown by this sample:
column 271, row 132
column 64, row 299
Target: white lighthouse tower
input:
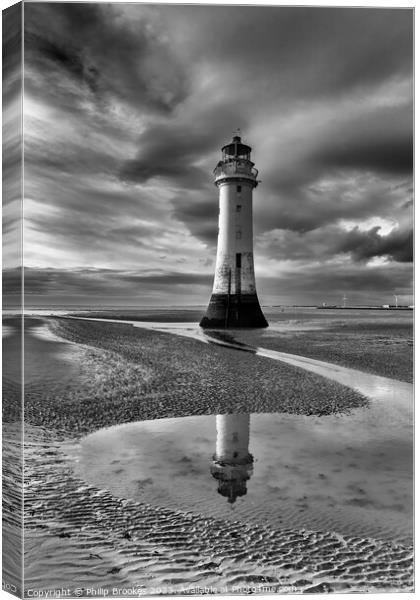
column 232, row 462
column 234, row 301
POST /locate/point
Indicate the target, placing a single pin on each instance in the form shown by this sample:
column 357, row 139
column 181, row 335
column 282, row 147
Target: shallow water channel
column 349, row 474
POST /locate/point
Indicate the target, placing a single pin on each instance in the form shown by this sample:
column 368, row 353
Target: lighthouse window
column 239, row 189
column 238, row 260
column 238, row 235
column 238, row 207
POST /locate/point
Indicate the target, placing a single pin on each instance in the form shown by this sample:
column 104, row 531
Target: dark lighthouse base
column 228, row 311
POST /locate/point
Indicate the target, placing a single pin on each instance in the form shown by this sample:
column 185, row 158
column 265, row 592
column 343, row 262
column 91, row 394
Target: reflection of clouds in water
column 277, row 489
column 185, row 459
column 141, row 483
column 362, row 502
column 188, row 472
column 355, row 488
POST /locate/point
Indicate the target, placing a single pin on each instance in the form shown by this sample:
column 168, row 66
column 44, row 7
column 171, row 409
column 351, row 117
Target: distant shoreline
column 365, row 307
column 192, row 307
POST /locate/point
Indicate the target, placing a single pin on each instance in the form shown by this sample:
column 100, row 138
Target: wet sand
column 373, row 341
column 94, row 538
column 375, row 387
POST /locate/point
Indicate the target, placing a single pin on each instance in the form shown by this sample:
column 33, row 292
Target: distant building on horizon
column 234, row 301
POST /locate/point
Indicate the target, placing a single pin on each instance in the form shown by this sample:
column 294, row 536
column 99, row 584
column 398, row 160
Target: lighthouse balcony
column 241, row 169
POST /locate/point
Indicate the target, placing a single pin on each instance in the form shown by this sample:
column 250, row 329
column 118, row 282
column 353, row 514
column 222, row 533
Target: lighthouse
column 234, row 301
column 232, row 462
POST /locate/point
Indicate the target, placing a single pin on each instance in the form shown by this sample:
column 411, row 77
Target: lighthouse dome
column 236, row 149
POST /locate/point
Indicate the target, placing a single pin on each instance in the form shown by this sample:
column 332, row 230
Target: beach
column 99, row 394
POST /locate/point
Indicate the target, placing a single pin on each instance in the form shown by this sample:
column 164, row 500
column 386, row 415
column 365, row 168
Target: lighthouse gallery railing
column 235, row 168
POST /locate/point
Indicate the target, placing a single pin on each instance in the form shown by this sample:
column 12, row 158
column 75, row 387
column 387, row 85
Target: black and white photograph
column 207, row 299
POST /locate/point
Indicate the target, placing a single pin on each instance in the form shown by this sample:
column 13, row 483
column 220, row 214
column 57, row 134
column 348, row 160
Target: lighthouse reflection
column 232, row 461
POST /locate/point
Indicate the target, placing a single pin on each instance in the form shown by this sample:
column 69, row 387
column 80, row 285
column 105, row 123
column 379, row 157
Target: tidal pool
column 351, row 474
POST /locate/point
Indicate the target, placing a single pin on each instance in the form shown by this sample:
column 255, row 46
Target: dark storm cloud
column 363, row 245
column 382, row 141
column 349, row 197
column 141, row 170
column 79, row 49
column 309, row 51
column 172, row 149
column 200, row 214
column 392, row 155
column 332, row 241
column 359, row 167
column 377, row 145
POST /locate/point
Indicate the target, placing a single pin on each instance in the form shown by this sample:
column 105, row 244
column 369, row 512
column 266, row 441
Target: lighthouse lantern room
column 234, row 301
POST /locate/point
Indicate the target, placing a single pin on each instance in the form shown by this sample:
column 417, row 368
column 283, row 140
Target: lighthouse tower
column 232, row 462
column 234, row 301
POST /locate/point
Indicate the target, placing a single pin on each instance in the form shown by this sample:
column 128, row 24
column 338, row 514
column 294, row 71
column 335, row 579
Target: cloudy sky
column 127, row 106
